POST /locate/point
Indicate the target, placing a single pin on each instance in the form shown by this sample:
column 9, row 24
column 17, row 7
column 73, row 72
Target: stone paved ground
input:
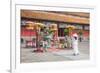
column 27, row 55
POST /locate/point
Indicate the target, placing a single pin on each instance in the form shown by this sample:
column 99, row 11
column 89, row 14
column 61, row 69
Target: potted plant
column 66, row 32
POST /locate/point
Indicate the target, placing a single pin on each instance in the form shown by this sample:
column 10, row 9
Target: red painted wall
column 25, row 32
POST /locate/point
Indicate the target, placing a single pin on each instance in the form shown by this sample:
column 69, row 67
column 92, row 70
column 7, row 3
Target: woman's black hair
column 75, row 38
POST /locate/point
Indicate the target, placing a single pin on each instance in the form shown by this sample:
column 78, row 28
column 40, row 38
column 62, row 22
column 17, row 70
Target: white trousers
column 75, row 48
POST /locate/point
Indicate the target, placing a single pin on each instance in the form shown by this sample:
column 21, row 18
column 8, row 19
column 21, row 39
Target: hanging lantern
column 70, row 29
column 53, row 27
column 38, row 26
column 30, row 25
